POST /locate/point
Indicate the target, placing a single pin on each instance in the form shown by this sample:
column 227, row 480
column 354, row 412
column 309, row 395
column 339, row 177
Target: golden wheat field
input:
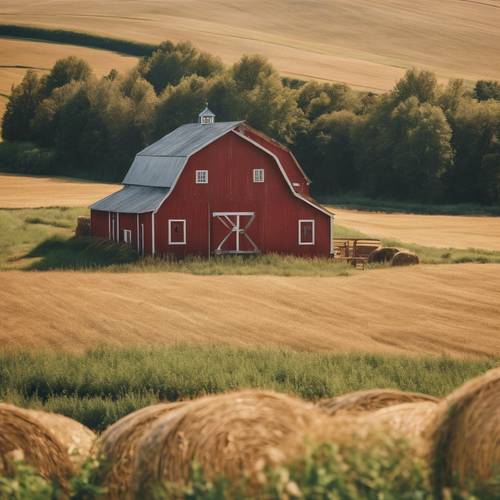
column 444, row 231
column 450, row 309
column 365, row 44
column 17, row 56
column 19, row 191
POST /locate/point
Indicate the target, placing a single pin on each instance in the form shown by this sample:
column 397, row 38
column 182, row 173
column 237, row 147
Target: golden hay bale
column 23, row 436
column 382, row 254
column 117, row 448
column 405, row 259
column 464, row 436
column 407, row 420
column 370, row 400
column 83, row 226
column 75, row 437
column 227, row 435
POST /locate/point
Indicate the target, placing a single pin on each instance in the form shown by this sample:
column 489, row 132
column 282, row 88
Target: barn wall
column 230, row 162
column 99, row 224
column 286, row 159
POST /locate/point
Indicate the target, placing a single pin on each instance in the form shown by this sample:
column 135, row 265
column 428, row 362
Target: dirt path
column 448, row 309
column 428, row 230
column 19, row 191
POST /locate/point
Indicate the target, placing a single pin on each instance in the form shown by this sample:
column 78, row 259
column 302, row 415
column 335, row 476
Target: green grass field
column 103, row 385
column 43, row 239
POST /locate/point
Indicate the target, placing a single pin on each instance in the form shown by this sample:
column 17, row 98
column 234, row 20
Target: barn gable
column 159, row 164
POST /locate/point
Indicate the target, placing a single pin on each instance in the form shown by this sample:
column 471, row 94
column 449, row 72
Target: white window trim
column 198, row 175
column 127, row 236
column 258, row 170
column 313, row 222
column 170, row 242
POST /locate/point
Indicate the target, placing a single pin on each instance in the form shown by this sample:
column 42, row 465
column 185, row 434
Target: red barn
column 215, row 188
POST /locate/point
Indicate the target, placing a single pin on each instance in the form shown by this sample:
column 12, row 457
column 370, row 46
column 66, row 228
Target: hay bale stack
column 23, row 436
column 464, row 436
column 228, row 434
column 75, row 437
column 382, row 254
column 404, row 259
column 83, row 226
column 117, row 448
column 407, row 420
column 371, row 400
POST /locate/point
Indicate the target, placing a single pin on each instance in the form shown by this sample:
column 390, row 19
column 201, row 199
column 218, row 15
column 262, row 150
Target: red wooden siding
column 230, row 162
column 286, row 159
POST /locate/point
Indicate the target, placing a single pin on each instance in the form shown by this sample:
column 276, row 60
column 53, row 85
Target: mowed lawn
column 444, row 231
column 19, row 191
column 366, row 44
column 446, row 309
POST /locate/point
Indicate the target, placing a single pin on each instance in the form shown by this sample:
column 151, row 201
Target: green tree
column 417, row 83
column 476, row 137
column 316, row 99
column 64, row 71
column 333, row 139
column 21, row 109
column 487, row 89
column 170, row 63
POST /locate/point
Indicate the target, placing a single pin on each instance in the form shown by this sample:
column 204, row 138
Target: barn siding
column 230, row 162
column 292, row 171
column 99, row 224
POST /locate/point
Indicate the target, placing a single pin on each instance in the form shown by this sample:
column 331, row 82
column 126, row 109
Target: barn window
column 177, row 232
column 306, row 232
column 127, row 236
column 202, row 177
column 258, row 175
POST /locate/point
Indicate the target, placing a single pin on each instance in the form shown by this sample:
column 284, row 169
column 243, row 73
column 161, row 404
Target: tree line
column 421, row 141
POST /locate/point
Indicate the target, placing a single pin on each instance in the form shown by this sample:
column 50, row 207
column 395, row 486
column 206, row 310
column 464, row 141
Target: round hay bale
column 405, row 259
column 24, row 437
column 75, row 437
column 382, row 254
column 464, row 437
column 408, row 420
column 82, row 226
column 117, row 448
column 370, row 400
column 230, row 435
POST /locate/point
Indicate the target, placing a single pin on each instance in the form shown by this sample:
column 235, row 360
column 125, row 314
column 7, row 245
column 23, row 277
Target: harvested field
column 446, row 309
column 19, row 191
column 17, row 56
column 368, row 45
column 445, row 231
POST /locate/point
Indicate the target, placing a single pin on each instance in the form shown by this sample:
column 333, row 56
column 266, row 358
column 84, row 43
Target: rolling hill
column 365, row 44
column 447, row 309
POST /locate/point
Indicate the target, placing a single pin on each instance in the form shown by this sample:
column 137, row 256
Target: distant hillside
column 364, row 43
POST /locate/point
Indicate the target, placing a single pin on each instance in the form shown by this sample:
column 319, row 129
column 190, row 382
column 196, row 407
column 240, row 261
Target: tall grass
column 102, row 385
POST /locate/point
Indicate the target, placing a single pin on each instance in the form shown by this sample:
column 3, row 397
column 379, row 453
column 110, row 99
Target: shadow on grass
column 79, row 253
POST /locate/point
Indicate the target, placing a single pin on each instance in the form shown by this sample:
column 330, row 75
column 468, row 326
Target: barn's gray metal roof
column 132, row 199
column 159, row 164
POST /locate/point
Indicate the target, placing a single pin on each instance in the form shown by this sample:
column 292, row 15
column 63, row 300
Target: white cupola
column 206, row 117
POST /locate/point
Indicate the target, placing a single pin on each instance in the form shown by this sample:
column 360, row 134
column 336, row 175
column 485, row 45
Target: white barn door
column 230, row 233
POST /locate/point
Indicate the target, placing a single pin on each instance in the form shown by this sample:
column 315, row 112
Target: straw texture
column 371, row 400
column 464, row 436
column 23, row 436
column 117, row 448
column 229, row 435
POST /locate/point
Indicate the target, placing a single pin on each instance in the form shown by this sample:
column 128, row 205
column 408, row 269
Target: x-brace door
column 237, row 224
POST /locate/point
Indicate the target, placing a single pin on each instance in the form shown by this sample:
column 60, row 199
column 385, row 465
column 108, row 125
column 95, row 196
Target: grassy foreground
column 103, row 385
